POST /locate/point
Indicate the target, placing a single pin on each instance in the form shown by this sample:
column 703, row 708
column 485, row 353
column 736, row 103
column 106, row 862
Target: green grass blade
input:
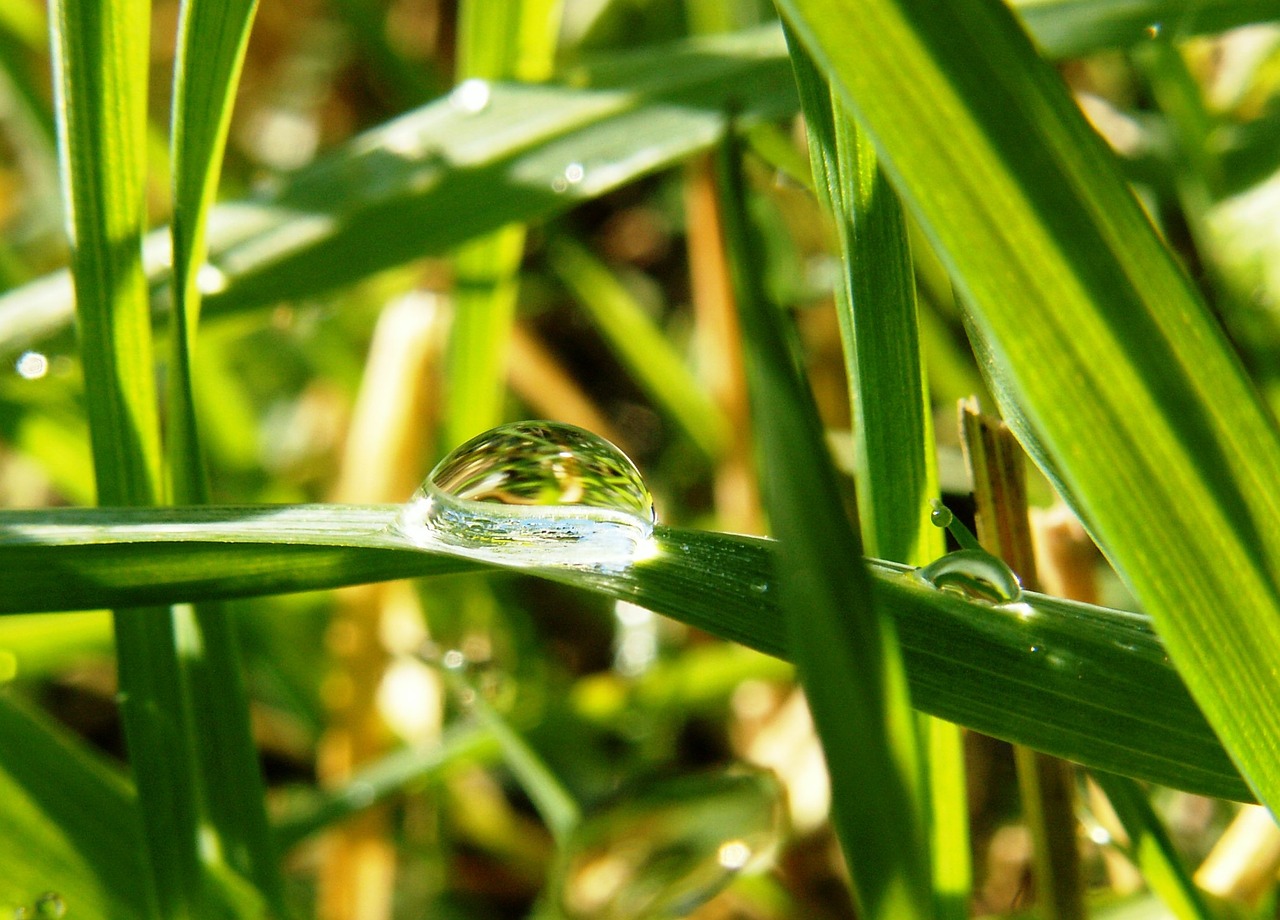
column 212, row 38
column 1087, row 683
column 441, row 175
column 46, row 778
column 639, row 344
column 1151, row 849
column 100, row 79
column 1098, row 339
column 845, row 650
column 893, row 439
column 497, row 40
column 1071, row 28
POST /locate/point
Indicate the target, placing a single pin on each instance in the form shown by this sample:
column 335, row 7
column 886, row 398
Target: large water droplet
column 941, row 515
column 974, row 574
column 532, row 494
column 661, row 853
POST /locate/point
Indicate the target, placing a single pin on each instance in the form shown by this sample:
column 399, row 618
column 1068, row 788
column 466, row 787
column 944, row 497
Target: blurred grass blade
column 639, row 344
column 212, row 37
column 1151, row 849
column 1101, row 343
column 497, row 40
column 100, row 80
column 459, row 168
column 1107, row 699
column 845, row 650
column 1071, row 28
column 61, row 807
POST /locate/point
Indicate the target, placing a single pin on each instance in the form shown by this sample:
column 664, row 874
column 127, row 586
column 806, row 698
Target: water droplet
column 471, row 96
column 941, row 515
column 1153, row 30
column 663, row 852
column 50, row 906
column 31, row 365
column 974, row 574
column 532, row 494
column 573, row 174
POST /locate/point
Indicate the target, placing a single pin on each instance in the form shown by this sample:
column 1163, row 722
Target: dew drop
column 50, row 906
column 662, row 852
column 31, row 365
column 454, row 660
column 974, row 574
column 941, row 515
column 471, row 96
column 1153, row 30
column 531, row 494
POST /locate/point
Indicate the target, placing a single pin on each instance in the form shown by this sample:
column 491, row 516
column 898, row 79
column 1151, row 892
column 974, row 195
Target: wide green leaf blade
column 1087, row 683
column 1142, row 410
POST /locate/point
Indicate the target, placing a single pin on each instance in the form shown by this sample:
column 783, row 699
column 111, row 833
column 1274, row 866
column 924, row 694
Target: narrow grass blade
column 1105, row 697
column 639, row 344
column 1151, row 849
column 497, row 40
column 845, row 650
column 1109, row 360
column 212, row 37
column 893, row 438
column 100, row 56
column 47, row 782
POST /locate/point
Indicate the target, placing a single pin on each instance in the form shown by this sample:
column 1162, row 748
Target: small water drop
column 1153, row 30
column 534, row 493
column 662, row 852
column 471, row 96
column 941, row 515
column 50, row 906
column 974, row 574
column 31, row 365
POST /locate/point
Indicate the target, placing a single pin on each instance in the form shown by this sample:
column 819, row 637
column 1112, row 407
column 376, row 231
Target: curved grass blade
column 1087, row 683
column 1099, row 339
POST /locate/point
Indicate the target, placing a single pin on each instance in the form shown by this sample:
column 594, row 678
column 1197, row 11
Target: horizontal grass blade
column 1098, row 341
column 1087, row 683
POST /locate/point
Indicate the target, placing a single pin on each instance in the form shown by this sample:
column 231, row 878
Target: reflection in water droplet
column 533, row 494
column 941, row 515
column 31, row 365
column 974, row 574
column 1153, row 30
column 471, row 96
column 662, row 852
column 50, row 906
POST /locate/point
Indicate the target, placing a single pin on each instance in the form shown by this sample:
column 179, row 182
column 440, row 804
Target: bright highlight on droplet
column 210, row 279
column 471, row 95
column 31, row 365
column 532, row 494
column 974, row 574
